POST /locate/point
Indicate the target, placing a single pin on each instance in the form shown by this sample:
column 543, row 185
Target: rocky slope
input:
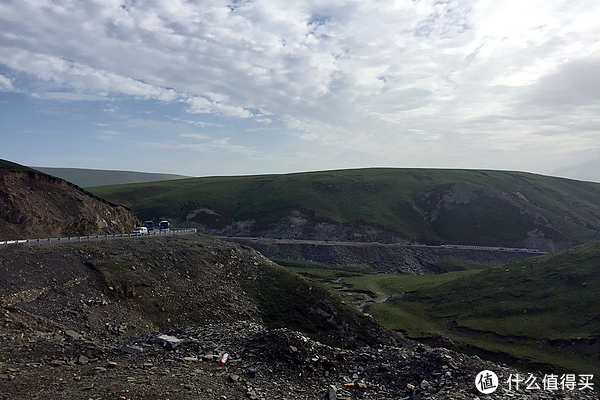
column 152, row 318
column 386, row 258
column 138, row 286
column 36, row 205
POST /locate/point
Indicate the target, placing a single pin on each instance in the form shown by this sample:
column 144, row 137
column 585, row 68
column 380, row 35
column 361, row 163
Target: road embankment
column 388, row 258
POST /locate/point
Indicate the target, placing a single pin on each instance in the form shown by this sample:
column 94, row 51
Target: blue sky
column 246, row 87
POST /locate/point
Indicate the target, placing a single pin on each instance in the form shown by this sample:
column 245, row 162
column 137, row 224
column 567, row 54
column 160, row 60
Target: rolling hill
column 96, row 177
column 380, row 204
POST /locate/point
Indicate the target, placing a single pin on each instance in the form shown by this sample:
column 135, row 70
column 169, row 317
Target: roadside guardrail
column 92, row 238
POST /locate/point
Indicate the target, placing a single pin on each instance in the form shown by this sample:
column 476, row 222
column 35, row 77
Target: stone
column 111, row 364
column 211, row 357
column 131, row 349
column 425, row 385
column 168, row 341
column 332, row 392
column 83, row 359
column 73, row 335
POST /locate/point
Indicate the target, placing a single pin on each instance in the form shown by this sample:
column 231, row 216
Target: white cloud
column 208, row 146
column 195, row 136
column 200, row 105
column 584, row 165
column 428, row 83
column 6, row 84
column 69, row 96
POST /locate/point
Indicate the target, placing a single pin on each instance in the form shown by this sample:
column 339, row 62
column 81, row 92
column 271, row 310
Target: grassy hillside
column 433, row 206
column 96, row 177
column 541, row 311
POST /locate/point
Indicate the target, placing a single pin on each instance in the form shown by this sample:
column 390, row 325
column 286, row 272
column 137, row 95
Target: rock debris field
column 51, row 347
column 261, row 364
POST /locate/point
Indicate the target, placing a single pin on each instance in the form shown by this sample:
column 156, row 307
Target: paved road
column 92, row 238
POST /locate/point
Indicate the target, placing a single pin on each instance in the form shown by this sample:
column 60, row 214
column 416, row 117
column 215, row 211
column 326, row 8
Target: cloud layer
column 511, row 85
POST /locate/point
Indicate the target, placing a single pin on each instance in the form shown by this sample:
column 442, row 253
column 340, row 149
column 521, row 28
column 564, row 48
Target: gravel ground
column 72, row 328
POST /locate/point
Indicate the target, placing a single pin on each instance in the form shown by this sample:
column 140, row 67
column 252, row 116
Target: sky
column 238, row 87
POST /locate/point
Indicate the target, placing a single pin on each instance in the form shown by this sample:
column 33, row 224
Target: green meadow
column 540, row 313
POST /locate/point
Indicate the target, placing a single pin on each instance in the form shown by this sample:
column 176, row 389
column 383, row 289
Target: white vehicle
column 164, row 226
column 142, row 230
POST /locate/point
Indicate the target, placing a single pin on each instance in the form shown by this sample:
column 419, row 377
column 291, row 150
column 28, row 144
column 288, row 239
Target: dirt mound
column 36, row 205
column 138, row 286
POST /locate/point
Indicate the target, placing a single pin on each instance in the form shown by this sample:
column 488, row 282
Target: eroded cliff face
column 296, row 224
column 36, row 205
column 508, row 225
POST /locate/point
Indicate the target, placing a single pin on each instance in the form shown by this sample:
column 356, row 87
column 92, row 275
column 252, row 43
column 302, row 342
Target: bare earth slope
column 87, row 321
column 36, row 205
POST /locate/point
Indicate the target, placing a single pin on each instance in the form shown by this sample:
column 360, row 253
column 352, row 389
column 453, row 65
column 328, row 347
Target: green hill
column 97, row 177
column 379, row 204
column 543, row 311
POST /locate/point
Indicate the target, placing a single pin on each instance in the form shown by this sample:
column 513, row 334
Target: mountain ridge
column 85, row 177
column 391, row 205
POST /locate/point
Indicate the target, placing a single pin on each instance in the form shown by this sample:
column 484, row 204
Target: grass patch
column 325, row 273
column 543, row 310
column 390, row 198
column 287, row 299
column 448, row 264
column 390, row 284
